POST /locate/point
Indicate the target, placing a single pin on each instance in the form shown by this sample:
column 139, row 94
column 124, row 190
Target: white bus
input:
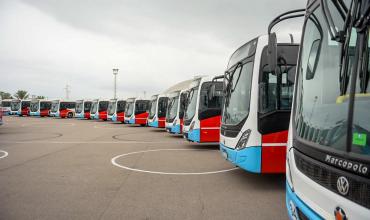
column 175, row 111
column 157, row 111
column 137, row 111
column 40, row 107
column 116, row 110
column 99, row 109
column 328, row 155
column 259, row 83
column 203, row 112
column 63, row 108
column 83, row 108
column 15, row 106
column 24, row 109
column 6, row 103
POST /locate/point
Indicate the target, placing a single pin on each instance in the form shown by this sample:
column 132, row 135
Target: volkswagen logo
column 343, row 185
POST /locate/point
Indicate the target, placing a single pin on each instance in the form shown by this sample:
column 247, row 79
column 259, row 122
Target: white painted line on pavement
column 5, row 154
column 113, row 161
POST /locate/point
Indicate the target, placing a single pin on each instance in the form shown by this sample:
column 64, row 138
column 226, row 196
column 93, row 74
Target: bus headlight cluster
column 242, row 143
column 192, row 126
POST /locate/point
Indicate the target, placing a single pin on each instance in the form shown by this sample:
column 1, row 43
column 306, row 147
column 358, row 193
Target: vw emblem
column 343, row 185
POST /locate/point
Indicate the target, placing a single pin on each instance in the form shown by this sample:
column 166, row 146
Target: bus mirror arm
column 272, row 53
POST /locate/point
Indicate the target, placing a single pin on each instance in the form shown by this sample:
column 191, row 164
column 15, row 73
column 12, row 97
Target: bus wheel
column 70, row 115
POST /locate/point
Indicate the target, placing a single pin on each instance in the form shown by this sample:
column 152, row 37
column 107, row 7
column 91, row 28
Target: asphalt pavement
column 54, row 168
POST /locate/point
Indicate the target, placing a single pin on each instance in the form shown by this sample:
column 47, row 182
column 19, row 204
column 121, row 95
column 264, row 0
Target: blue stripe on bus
column 248, row 158
column 291, row 197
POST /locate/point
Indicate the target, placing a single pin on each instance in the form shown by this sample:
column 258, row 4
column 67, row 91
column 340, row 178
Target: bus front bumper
column 192, row 135
column 153, row 124
column 296, row 208
column 248, row 158
column 174, row 129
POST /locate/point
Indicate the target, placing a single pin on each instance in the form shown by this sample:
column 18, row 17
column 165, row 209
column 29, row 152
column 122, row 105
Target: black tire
column 70, row 115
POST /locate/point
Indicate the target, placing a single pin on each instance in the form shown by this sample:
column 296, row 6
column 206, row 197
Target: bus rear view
column 328, row 155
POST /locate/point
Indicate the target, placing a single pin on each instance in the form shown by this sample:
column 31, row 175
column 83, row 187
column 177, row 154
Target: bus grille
column 327, row 176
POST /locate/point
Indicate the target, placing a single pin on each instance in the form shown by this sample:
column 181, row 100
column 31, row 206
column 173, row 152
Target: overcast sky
column 45, row 45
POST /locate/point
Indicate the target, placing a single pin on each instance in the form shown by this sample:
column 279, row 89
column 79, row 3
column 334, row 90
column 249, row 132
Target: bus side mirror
column 272, row 52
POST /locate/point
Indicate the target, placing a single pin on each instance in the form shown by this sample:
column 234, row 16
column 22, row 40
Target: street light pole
column 115, row 72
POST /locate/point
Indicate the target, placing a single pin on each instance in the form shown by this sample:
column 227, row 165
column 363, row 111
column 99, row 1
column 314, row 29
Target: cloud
column 155, row 44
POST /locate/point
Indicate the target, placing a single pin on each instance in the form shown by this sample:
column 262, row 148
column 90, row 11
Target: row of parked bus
column 284, row 105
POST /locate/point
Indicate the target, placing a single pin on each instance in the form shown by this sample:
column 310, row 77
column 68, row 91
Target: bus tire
column 70, row 115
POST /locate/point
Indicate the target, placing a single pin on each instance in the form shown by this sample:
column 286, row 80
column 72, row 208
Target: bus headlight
column 242, row 143
column 192, row 126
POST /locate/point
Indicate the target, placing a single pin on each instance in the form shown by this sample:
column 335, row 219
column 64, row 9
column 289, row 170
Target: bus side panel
column 121, row 116
column 210, row 129
column 141, row 118
column 44, row 112
column 63, row 113
column 25, row 111
column 274, row 152
column 103, row 115
column 161, row 122
column 87, row 115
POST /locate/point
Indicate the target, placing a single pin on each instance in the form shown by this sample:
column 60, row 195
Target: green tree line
column 20, row 94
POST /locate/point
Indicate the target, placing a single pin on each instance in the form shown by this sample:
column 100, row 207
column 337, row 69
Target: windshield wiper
column 229, row 79
column 345, row 37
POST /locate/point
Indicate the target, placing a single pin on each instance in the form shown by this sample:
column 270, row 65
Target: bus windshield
column 192, row 103
column 173, row 104
column 210, row 106
column 15, row 105
column 112, row 107
column 5, row 103
column 323, row 91
column 25, row 104
column 54, row 106
column 153, row 107
column 87, row 106
column 162, row 106
column 94, row 107
column 141, row 106
column 67, row 105
column 34, row 106
column 103, row 105
column 129, row 108
column 79, row 106
column 121, row 106
column 237, row 99
column 45, row 105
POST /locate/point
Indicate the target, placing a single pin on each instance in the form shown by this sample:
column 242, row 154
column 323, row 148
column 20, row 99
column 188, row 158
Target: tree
column 21, row 94
column 5, row 95
column 40, row 97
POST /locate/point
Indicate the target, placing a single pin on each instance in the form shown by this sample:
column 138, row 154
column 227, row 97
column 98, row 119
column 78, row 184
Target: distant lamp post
column 115, row 72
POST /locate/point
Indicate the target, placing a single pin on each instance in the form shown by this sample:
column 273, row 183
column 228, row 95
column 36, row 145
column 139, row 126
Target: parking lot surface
column 54, row 168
